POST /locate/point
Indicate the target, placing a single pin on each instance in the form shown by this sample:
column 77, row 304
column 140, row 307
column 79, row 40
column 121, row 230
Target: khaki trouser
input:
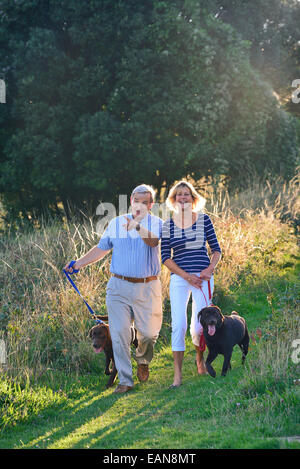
column 138, row 302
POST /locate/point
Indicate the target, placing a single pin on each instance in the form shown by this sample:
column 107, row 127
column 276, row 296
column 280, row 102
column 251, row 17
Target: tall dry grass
column 45, row 323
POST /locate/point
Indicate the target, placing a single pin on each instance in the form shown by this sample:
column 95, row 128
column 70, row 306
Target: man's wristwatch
column 138, row 227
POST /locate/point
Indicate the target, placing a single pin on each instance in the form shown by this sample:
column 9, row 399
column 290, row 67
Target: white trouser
column 180, row 291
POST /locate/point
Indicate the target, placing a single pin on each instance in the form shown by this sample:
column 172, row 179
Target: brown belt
column 136, row 280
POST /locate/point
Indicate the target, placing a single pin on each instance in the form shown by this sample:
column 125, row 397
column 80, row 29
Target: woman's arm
column 215, row 248
column 175, row 269
column 207, row 273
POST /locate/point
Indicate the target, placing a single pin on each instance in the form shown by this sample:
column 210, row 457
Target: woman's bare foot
column 178, row 359
column 177, row 382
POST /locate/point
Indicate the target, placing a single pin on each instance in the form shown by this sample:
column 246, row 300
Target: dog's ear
column 107, row 332
column 91, row 332
column 200, row 314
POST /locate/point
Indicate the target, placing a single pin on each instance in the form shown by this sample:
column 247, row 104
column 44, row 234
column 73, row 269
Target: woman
column 186, row 233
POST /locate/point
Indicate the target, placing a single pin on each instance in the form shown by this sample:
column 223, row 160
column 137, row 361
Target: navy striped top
column 189, row 244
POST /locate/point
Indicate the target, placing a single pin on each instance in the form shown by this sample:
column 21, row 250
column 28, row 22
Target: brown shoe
column 143, row 373
column 121, row 388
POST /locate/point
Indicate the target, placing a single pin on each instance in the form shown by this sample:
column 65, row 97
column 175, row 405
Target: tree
column 106, row 95
column 272, row 27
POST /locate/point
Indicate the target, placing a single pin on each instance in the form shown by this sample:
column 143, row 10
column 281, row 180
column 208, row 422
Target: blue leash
column 75, row 288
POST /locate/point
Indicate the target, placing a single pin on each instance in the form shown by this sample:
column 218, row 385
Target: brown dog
column 101, row 339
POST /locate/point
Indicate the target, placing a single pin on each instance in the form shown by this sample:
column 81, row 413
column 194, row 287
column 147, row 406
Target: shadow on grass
column 149, row 416
column 197, row 415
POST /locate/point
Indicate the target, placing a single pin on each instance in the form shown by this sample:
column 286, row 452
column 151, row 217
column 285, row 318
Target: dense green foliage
column 103, row 95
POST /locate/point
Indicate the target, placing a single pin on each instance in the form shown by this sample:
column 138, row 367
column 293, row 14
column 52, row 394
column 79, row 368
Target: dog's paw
column 211, row 371
column 110, row 382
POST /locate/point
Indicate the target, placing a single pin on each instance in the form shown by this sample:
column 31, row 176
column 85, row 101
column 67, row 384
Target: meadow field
column 52, row 386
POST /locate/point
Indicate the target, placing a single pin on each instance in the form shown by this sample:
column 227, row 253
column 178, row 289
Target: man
column 134, row 290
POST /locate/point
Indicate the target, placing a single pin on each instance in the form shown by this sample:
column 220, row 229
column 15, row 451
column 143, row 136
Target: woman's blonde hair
column 198, row 200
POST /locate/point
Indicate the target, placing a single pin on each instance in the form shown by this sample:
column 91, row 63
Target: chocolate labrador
column 101, row 339
column 221, row 334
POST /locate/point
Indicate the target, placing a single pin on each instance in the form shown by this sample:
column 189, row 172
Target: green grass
column 52, row 392
column 255, row 406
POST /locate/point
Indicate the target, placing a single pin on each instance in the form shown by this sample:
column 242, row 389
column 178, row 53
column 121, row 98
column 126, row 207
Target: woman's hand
column 206, row 273
column 194, row 280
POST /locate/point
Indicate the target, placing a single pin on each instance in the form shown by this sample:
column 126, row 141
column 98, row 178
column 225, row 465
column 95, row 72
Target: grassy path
column 256, row 406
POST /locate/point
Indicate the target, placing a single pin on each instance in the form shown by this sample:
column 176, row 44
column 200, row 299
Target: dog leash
column 75, row 288
column 209, row 293
column 202, row 344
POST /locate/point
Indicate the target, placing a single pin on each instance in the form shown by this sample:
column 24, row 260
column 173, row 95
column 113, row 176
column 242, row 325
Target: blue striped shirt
column 189, row 244
column 131, row 256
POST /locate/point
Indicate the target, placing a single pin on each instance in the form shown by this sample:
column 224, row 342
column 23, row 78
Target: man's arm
column 93, row 255
column 147, row 236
